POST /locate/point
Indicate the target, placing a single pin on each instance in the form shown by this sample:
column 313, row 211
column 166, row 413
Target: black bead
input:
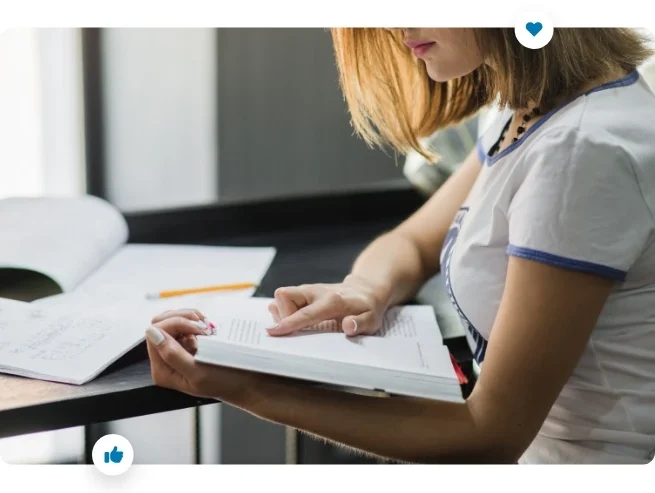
column 520, row 130
column 526, row 118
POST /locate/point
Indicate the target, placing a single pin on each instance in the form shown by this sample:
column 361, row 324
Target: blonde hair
column 393, row 102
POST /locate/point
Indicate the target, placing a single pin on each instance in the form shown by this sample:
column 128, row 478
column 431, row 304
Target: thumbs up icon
column 115, row 456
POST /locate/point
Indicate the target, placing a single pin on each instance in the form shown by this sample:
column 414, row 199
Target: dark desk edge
column 234, row 220
column 66, row 414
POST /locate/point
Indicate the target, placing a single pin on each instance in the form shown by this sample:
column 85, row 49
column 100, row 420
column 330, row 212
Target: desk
column 321, row 253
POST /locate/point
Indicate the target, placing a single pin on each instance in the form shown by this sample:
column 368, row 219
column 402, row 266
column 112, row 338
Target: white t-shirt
column 578, row 192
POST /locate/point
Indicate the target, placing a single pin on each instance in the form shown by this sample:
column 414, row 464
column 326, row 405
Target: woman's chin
column 442, row 74
column 436, row 74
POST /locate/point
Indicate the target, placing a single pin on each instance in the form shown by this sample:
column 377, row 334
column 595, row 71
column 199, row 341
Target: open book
column 406, row 356
column 80, row 245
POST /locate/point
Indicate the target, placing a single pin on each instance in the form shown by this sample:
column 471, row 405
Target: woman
column 545, row 237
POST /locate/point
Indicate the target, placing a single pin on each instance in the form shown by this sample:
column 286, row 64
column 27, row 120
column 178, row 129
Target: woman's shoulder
column 617, row 116
column 603, row 146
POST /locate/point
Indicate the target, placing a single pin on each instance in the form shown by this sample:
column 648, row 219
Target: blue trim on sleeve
column 567, row 263
column 626, row 80
column 482, row 154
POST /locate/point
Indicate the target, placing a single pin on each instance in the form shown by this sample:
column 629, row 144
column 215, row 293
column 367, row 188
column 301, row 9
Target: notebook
column 406, row 356
column 65, row 343
column 99, row 309
column 81, row 245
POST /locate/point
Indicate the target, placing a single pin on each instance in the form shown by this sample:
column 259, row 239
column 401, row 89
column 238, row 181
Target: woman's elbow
column 500, row 449
column 481, row 450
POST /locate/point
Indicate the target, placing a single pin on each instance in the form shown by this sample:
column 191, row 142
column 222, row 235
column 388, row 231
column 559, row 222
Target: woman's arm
column 400, row 261
column 543, row 323
column 388, row 272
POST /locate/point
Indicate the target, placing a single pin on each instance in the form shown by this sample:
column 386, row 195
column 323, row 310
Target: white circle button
column 112, row 455
column 534, row 30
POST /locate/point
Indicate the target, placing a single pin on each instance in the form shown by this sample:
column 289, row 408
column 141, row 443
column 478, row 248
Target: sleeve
column 579, row 206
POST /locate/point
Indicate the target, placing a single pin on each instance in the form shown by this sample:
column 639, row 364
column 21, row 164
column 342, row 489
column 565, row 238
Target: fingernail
column 211, row 326
column 355, row 329
column 203, row 326
column 154, row 335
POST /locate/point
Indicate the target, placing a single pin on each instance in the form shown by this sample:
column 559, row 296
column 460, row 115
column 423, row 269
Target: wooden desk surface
column 307, row 255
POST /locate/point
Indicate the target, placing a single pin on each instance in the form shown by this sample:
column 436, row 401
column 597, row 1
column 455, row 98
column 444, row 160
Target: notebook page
column 62, row 343
column 140, row 269
column 123, row 282
column 65, row 239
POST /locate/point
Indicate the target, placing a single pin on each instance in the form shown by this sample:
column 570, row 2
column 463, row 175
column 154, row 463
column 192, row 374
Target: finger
column 190, row 344
column 162, row 374
column 326, row 308
column 273, row 310
column 290, row 299
column 170, row 352
column 363, row 324
column 190, row 313
column 181, row 326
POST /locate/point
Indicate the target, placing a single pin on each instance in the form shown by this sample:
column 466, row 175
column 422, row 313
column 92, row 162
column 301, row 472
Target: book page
column 65, row 239
column 409, row 338
column 123, row 282
column 63, row 343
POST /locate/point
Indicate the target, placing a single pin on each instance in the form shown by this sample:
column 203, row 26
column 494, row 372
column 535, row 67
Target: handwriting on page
column 64, row 338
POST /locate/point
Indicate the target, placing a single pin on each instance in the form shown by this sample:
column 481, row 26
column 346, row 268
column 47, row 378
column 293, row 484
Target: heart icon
column 534, row 28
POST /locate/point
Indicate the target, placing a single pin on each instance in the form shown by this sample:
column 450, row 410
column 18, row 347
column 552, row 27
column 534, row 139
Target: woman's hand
column 171, row 342
column 185, row 318
column 356, row 305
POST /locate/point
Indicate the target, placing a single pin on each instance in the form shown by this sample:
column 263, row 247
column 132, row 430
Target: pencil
column 207, row 289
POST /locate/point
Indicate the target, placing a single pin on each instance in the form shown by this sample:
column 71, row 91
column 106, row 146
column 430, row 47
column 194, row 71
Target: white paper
column 408, row 340
column 63, row 343
column 122, row 283
column 63, row 238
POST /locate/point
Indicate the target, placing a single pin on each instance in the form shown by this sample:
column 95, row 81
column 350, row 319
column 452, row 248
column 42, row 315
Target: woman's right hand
column 356, row 304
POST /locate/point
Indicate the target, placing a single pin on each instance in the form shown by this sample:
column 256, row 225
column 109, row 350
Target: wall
column 21, row 171
column 198, row 115
column 283, row 125
column 159, row 98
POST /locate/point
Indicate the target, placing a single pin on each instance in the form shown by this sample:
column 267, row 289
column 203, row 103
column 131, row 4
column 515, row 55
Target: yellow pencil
column 207, row 289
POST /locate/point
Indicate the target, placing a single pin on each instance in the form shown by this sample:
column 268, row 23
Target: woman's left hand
column 171, row 346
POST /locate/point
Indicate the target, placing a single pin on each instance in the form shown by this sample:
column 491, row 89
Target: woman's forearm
column 399, row 429
column 400, row 261
column 393, row 263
